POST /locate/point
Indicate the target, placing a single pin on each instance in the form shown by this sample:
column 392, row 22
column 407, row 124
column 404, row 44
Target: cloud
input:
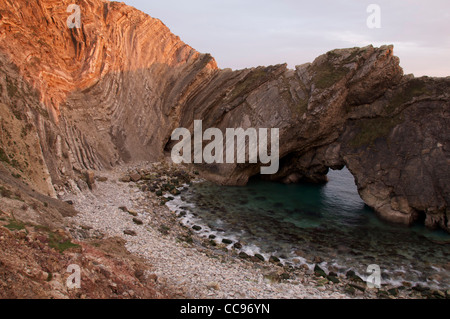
column 247, row 33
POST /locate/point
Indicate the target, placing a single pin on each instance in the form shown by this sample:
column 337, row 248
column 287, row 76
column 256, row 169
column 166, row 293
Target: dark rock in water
column 393, row 292
column 170, row 198
column 420, row 288
column 428, row 294
column 319, row 272
column 332, row 273
column 130, row 232
column 434, row 294
column 212, row 243
column 285, row 276
column 350, row 290
column 439, row 294
column 260, row 257
column 274, row 259
column 197, row 228
column 243, row 255
column 333, row 279
column 227, row 241
column 212, row 237
column 353, row 276
column 159, row 193
column 182, row 214
column 237, row 245
column 356, row 278
column 317, row 260
column 359, row 287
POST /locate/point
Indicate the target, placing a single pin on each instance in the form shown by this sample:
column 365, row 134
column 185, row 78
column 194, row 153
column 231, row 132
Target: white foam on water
column 251, row 249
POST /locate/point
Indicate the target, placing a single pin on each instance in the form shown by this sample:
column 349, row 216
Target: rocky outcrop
column 115, row 89
column 37, row 247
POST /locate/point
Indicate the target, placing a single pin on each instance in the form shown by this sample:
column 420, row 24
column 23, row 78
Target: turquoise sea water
column 299, row 223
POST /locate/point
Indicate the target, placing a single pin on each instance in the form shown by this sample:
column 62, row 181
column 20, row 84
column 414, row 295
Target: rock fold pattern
column 113, row 91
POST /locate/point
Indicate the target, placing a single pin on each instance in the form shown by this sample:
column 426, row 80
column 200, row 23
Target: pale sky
column 249, row 33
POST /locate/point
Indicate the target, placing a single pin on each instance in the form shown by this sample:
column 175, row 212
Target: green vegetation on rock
column 413, row 88
column 11, row 87
column 372, row 129
column 58, row 243
column 15, row 225
column 4, row 192
column 326, row 74
column 3, row 156
column 253, row 79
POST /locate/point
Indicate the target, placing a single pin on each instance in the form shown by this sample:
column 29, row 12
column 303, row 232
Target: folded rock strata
column 114, row 90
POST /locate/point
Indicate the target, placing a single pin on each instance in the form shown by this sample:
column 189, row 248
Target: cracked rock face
column 115, row 89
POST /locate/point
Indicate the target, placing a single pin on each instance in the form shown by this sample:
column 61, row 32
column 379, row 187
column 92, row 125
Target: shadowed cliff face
column 115, row 89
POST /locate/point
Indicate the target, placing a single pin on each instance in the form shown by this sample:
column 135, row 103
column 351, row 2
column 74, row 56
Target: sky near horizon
column 249, row 33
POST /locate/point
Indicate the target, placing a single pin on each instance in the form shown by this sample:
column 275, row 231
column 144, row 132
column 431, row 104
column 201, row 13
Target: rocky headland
column 97, row 98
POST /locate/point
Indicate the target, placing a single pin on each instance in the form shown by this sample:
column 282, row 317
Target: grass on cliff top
column 326, row 75
column 372, row 129
column 248, row 83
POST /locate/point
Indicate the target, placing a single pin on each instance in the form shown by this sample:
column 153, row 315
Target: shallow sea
column 303, row 222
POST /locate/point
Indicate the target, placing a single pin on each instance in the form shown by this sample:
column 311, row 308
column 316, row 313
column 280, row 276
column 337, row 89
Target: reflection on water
column 300, row 222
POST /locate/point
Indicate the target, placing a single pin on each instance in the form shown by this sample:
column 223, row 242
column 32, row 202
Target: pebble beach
column 187, row 263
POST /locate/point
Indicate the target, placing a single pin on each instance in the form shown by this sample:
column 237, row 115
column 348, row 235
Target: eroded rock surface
column 115, row 89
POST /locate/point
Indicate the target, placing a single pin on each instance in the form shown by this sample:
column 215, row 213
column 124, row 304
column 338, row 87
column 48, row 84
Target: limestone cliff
column 115, row 89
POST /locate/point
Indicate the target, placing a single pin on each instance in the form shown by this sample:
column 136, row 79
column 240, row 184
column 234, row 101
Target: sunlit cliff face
column 113, row 37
